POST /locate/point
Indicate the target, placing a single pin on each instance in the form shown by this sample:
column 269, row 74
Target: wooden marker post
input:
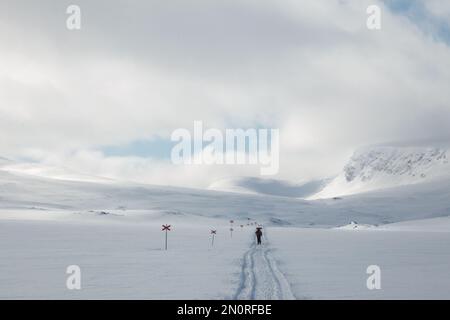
column 231, row 228
column 213, row 233
column 166, row 228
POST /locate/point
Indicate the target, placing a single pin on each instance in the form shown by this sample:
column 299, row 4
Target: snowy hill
column 385, row 167
column 253, row 185
column 39, row 170
column 25, row 192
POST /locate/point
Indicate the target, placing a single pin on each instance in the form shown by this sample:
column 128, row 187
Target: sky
column 105, row 99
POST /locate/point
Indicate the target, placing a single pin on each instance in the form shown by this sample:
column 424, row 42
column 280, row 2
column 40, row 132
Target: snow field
column 119, row 261
column 332, row 264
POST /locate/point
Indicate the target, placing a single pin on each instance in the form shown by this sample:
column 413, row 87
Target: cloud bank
column 138, row 70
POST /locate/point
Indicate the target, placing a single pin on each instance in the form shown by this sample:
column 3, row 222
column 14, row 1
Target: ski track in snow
column 260, row 277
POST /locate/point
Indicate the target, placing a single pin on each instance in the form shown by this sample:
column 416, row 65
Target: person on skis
column 258, row 234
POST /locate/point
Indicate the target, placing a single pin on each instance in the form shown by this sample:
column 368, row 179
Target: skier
column 258, row 234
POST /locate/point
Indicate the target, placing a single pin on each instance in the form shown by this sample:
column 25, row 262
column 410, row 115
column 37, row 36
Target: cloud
column 432, row 17
column 138, row 70
column 439, row 8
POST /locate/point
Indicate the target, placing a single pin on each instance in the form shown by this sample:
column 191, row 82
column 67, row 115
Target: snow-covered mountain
column 376, row 168
column 370, row 168
column 35, row 194
column 254, row 185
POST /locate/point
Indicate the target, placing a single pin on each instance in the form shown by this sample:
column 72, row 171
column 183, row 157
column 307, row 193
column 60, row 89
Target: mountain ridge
column 374, row 168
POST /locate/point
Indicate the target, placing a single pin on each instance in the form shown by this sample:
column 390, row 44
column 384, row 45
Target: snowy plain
column 112, row 231
column 332, row 264
column 118, row 259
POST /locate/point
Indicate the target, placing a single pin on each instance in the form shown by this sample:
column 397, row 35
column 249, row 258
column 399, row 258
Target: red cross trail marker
column 213, row 233
column 231, row 228
column 166, row 227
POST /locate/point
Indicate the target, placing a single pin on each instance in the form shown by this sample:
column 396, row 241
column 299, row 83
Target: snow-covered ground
column 112, row 231
column 121, row 256
column 332, row 264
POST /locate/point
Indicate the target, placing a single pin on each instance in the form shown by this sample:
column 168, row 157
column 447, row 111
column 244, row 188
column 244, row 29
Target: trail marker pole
column 213, row 233
column 166, row 228
column 231, row 228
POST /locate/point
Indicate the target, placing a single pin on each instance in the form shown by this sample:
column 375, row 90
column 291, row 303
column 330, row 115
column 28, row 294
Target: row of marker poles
column 249, row 223
column 166, row 229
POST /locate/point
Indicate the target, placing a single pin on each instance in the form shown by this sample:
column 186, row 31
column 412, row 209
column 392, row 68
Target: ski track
column 260, row 277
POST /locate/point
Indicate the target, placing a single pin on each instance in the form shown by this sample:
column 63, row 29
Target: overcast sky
column 104, row 99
